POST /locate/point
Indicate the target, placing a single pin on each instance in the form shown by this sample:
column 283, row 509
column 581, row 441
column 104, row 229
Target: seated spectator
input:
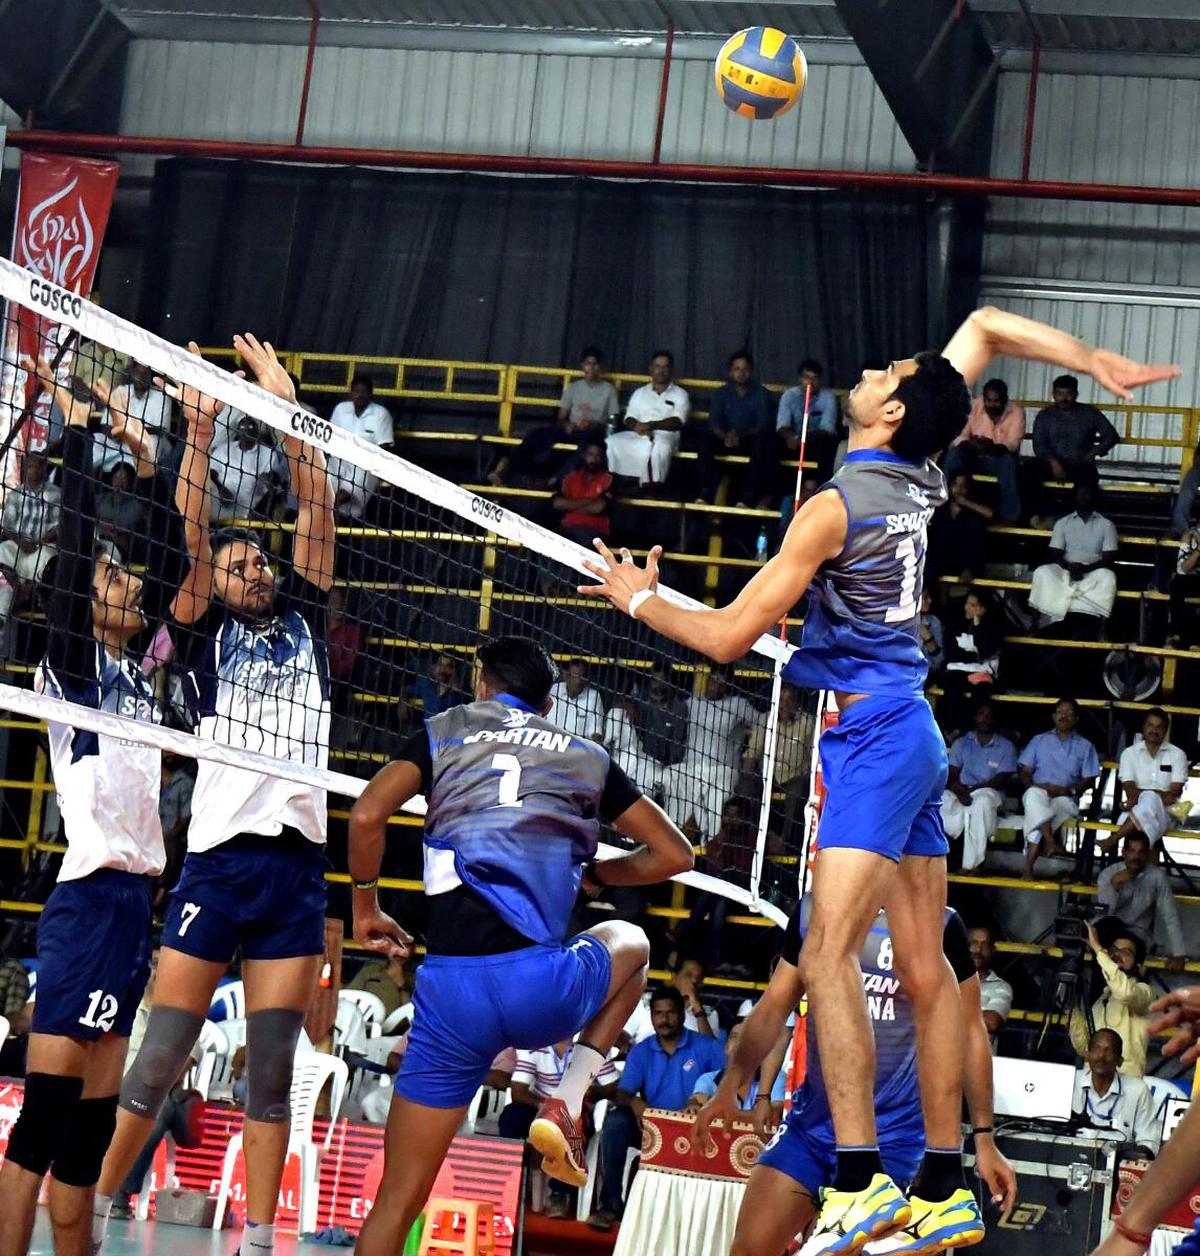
column 138, row 399
column 1123, row 1005
column 958, row 532
column 1068, row 437
column 120, row 512
column 17, row 1008
column 362, row 415
column 30, row 529
column 585, row 498
column 1152, row 773
column 1055, row 769
column 1079, row 577
column 390, row 980
column 1184, row 514
column 1185, row 584
column 741, row 420
column 441, row 689
column 1115, row 1106
column 1140, row 894
column 706, row 1085
column 728, row 856
column 688, row 979
column 991, row 443
column 345, row 638
column 535, row 1079
column 654, row 420
column 933, row 636
column 824, row 418
column 795, row 731
column 718, row 721
column 974, row 636
column 249, row 474
column 662, row 729
column 982, row 766
column 583, row 412
column 577, row 708
column 659, row 1073
column 995, row 994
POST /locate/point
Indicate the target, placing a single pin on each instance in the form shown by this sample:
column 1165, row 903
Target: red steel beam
column 865, row 180
column 664, row 83
column 313, row 27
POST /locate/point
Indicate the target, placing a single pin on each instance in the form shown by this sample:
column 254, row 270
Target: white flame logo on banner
column 56, row 242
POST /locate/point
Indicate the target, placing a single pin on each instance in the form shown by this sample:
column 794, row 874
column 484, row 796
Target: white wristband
column 638, row 600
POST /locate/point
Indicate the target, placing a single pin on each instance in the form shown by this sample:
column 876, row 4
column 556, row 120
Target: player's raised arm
column 989, row 333
column 816, row 534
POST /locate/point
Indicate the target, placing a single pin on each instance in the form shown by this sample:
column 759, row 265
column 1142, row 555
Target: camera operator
column 1115, row 1107
column 1124, row 1003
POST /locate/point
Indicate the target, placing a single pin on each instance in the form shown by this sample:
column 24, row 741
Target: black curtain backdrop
column 528, row 270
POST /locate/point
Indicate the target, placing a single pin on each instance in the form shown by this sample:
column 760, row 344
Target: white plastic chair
column 310, row 1072
column 233, row 1032
column 213, row 1049
column 349, row 1028
column 371, row 1006
column 399, row 1021
column 587, row 1192
column 4, row 1028
column 1162, row 1089
column 229, row 1002
column 486, row 1105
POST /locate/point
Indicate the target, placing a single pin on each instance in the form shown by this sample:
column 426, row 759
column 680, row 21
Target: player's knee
column 41, row 1129
column 271, row 1037
column 166, row 1047
column 80, row 1160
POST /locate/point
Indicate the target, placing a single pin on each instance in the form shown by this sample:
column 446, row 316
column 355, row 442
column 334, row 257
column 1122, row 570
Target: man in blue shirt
column 982, row 763
column 1056, row 768
column 824, row 417
column 741, row 420
column 661, row 1072
column 747, row 1090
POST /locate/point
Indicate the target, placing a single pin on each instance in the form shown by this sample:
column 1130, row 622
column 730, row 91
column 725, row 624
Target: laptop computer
column 1032, row 1089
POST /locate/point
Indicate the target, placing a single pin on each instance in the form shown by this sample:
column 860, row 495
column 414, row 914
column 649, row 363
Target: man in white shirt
column 140, row 400
column 30, row 529
column 718, row 723
column 1152, row 773
column 689, row 981
column 1111, row 1104
column 577, row 707
column 365, row 417
column 654, row 420
column 244, row 470
column 1079, row 577
column 995, row 994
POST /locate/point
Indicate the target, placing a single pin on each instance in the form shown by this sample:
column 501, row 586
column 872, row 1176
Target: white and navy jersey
column 107, row 787
column 861, row 621
column 260, row 688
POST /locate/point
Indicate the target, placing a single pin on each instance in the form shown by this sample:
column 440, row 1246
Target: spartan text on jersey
column 913, row 521
column 539, row 738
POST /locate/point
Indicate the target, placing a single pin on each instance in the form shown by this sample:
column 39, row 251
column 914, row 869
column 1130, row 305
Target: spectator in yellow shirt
column 1124, row 1003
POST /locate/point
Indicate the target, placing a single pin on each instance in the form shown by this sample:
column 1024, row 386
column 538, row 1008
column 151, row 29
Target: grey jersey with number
column 514, row 812
column 861, row 622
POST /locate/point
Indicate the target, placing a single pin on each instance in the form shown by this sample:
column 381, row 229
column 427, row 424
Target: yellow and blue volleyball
column 760, row 72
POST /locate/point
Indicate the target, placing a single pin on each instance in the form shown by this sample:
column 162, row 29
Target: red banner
column 62, row 214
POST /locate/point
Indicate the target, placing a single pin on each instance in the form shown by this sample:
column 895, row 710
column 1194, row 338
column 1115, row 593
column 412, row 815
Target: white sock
column 258, row 1238
column 583, row 1066
column 101, row 1207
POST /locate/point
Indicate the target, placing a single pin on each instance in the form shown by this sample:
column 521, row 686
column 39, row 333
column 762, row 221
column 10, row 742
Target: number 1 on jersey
column 509, row 767
column 906, row 552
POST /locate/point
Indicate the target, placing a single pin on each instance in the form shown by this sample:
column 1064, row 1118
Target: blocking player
column 514, row 812
column 94, row 934
column 254, row 873
column 798, row 1165
column 857, row 547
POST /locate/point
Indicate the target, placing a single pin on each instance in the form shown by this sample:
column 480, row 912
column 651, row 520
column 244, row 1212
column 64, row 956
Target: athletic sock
column 856, row 1166
column 258, row 1238
column 941, row 1173
column 582, row 1069
column 101, row 1207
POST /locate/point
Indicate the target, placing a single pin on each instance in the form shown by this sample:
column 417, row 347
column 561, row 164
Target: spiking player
column 514, row 812
column 94, row 934
column 858, row 547
column 254, row 874
column 799, row 1161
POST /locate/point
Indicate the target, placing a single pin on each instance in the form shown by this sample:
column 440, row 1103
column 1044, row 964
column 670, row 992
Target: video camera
column 1070, row 925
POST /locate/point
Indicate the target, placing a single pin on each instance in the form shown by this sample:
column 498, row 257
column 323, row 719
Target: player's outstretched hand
column 1121, row 375
column 267, row 368
column 200, row 411
column 377, row 931
column 620, row 580
column 998, row 1175
column 722, row 1108
column 75, row 412
column 1180, row 1009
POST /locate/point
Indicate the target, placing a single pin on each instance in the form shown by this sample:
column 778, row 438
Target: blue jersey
column 862, row 617
column 897, row 1094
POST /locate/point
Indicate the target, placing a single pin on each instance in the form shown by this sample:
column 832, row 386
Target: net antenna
column 475, row 525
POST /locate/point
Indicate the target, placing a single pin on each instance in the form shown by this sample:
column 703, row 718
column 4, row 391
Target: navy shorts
column 884, row 764
column 93, row 944
column 808, row 1154
column 467, row 1009
column 263, row 894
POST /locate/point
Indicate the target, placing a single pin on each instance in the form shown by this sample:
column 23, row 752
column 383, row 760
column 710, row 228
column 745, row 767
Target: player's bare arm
column 816, row 534
column 990, row 1163
column 988, row 333
column 663, row 851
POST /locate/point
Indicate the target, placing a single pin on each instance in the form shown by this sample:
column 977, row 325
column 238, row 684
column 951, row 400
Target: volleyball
column 760, row 72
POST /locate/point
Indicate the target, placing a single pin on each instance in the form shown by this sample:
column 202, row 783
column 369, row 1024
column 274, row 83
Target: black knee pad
column 166, row 1048
column 88, row 1136
column 46, row 1112
column 271, row 1037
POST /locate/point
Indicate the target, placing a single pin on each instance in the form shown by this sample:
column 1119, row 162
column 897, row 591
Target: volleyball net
column 385, row 579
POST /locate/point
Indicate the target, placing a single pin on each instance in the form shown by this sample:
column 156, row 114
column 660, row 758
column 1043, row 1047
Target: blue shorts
column 264, row 894
column 885, row 769
column 467, row 1009
column 94, row 944
column 808, row 1154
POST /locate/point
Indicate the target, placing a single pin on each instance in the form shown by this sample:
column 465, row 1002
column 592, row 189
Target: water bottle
column 761, row 545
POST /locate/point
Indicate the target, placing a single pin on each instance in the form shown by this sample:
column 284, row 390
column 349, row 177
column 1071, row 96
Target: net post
column 770, row 742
